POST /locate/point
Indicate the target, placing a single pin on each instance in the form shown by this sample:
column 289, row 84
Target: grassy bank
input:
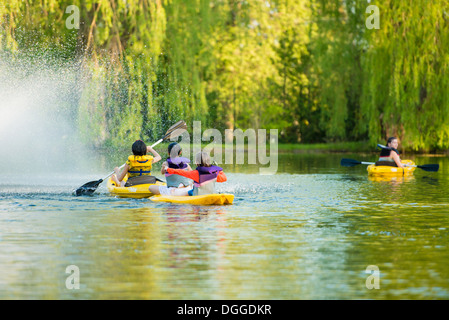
column 352, row 147
column 332, row 147
column 361, row 146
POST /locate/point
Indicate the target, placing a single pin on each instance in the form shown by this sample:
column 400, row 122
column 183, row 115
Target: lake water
column 308, row 232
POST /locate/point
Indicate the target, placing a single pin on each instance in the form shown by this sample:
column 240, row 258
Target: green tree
column 405, row 90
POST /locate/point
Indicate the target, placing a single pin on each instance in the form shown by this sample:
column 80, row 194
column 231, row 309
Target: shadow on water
column 430, row 180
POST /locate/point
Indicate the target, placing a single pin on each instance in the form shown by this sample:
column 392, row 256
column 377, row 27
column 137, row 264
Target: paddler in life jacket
column 176, row 185
column 139, row 164
column 204, row 176
column 390, row 156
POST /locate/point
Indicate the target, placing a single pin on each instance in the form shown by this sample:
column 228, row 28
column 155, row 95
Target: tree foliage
column 310, row 68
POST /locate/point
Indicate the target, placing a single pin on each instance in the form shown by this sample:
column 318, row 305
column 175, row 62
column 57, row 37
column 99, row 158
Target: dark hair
column 139, row 148
column 391, row 139
column 175, row 148
column 386, row 152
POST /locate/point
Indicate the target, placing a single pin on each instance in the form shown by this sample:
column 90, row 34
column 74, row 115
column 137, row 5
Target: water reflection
column 393, row 180
column 308, row 232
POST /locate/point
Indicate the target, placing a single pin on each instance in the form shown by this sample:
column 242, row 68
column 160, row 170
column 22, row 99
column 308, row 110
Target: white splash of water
column 38, row 101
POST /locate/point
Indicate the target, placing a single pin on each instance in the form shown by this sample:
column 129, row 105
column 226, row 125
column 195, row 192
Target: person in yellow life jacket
column 138, row 164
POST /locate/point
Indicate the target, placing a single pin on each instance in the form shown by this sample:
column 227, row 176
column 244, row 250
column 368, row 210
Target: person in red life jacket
column 390, row 155
column 139, row 164
column 204, row 177
column 176, row 185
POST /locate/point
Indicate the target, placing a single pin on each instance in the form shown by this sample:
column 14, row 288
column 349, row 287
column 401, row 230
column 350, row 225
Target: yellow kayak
column 209, row 199
column 137, row 191
column 391, row 171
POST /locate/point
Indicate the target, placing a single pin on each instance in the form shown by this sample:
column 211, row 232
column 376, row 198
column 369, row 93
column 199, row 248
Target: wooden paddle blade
column 169, row 132
column 349, row 162
column 176, row 132
column 177, row 125
column 88, row 188
column 430, row 167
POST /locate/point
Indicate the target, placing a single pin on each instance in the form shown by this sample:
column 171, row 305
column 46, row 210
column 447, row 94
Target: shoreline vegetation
column 348, row 147
column 116, row 155
column 313, row 69
column 284, row 148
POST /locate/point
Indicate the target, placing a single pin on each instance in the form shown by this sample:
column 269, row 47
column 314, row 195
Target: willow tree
column 117, row 45
column 123, row 42
column 187, row 57
column 407, row 61
column 295, row 89
column 337, row 49
column 310, row 68
column 244, row 90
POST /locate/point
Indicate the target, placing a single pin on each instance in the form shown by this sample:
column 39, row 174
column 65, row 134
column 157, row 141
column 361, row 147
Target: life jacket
column 385, row 159
column 206, row 184
column 139, row 165
column 385, row 152
column 174, row 180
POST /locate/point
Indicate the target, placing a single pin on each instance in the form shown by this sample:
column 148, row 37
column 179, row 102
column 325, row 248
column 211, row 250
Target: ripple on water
column 289, row 236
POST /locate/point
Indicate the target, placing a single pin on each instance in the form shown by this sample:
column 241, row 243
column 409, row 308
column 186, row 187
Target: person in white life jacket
column 176, row 185
column 138, row 164
column 204, row 176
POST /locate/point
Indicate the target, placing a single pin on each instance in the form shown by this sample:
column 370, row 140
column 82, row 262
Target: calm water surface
column 308, row 232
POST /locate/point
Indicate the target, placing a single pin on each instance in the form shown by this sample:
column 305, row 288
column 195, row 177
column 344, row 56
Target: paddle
column 352, row 162
column 174, row 131
column 385, row 147
column 425, row 167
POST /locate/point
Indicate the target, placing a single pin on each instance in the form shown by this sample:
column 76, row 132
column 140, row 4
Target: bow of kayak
column 210, row 199
column 393, row 171
column 136, row 191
